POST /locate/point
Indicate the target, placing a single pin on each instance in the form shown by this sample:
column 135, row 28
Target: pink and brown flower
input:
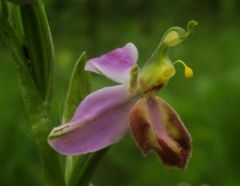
column 106, row 115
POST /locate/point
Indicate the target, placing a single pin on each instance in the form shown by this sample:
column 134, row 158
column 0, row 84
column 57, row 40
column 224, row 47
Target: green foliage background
column 208, row 103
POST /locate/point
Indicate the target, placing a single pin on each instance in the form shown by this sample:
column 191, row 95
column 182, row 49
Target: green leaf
column 37, row 109
column 89, row 166
column 4, row 9
column 82, row 168
column 39, row 46
column 15, row 21
column 79, row 88
column 79, row 169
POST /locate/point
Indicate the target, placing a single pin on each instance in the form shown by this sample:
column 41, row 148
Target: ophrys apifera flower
column 106, row 115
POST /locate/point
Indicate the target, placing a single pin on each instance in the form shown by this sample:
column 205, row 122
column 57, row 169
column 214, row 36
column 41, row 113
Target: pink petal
column 100, row 120
column 115, row 65
column 156, row 126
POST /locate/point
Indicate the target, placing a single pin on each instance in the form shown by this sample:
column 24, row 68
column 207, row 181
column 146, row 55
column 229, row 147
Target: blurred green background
column 209, row 103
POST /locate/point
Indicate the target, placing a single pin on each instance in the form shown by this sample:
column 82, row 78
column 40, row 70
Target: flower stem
column 74, row 164
column 88, row 167
column 39, row 45
column 38, row 109
column 79, row 169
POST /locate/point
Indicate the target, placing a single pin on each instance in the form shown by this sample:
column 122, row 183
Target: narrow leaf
column 4, row 9
column 79, row 87
column 39, row 46
column 37, row 110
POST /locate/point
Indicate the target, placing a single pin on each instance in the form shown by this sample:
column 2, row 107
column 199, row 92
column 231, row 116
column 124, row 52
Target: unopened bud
column 172, row 38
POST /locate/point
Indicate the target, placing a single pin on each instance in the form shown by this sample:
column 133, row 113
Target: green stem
column 74, row 164
column 88, row 168
column 10, row 39
column 38, row 110
column 79, row 169
column 39, row 45
column 4, row 9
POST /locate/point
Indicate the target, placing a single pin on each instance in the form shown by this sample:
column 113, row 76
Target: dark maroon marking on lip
column 140, row 130
column 185, row 139
column 169, row 157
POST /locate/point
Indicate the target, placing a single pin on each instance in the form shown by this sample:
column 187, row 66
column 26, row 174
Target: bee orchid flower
column 106, row 115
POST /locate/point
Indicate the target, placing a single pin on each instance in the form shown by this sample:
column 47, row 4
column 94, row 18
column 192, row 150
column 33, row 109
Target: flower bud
column 172, row 38
column 159, row 68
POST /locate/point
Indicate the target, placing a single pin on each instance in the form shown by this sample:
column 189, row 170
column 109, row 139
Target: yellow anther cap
column 188, row 72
